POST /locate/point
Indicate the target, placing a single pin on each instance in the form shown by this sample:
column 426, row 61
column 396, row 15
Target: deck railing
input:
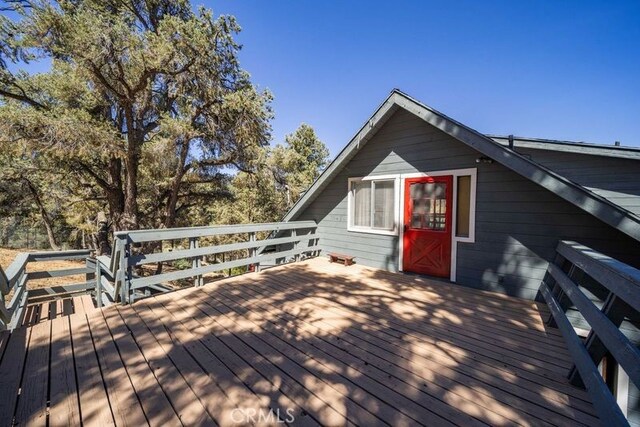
column 578, row 269
column 119, row 279
column 14, row 281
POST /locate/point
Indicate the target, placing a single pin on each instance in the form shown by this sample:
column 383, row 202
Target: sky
column 561, row 70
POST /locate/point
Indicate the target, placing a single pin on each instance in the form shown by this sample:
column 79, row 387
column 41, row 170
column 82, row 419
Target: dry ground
column 8, row 255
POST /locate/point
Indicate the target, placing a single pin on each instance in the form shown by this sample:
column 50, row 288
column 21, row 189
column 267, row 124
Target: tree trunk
column 115, row 193
column 134, row 142
column 46, row 219
column 172, row 202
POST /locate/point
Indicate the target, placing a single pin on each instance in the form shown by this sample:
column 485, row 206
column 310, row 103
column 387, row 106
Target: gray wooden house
column 417, row 191
column 547, row 232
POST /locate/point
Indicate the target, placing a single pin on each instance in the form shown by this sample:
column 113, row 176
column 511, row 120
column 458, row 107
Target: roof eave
column 570, row 147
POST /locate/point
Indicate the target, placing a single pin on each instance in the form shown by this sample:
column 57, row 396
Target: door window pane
column 464, row 206
column 362, row 204
column 428, row 205
column 383, row 204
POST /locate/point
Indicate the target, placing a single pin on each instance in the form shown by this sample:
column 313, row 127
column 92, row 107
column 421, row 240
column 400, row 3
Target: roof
column 619, row 151
column 601, row 208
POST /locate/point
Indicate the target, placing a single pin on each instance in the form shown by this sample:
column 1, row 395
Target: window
column 429, row 205
column 373, row 205
column 362, row 204
column 463, row 212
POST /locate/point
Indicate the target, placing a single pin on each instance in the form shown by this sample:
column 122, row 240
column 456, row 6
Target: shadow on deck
column 310, row 342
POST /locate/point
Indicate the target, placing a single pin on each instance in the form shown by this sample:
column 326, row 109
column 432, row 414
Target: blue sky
column 566, row 70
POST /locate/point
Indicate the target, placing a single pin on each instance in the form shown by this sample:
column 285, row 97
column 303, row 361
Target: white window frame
column 455, row 173
column 396, row 205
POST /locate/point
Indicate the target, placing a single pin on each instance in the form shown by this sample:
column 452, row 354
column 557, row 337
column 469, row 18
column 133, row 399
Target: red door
column 427, row 225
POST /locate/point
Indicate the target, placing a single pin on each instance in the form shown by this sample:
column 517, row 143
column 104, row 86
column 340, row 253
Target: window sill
column 373, row 231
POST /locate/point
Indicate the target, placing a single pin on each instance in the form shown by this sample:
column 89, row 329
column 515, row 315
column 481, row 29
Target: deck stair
column 59, row 307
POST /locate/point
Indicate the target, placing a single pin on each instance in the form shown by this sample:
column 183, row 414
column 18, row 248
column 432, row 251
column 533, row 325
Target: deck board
column 43, row 311
column 267, row 393
column 466, row 334
column 94, row 403
column 122, row 396
column 144, row 381
column 497, row 393
column 358, row 397
column 319, row 342
column 64, row 407
column 32, row 403
column 11, row 368
column 183, row 399
column 329, row 361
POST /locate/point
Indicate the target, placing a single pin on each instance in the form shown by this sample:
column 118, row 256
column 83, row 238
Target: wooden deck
column 48, row 310
column 314, row 342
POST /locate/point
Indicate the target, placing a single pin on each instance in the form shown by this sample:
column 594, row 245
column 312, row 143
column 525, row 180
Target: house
column 416, row 191
column 309, row 342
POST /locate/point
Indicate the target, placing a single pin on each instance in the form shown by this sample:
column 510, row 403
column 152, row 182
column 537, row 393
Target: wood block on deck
column 345, row 259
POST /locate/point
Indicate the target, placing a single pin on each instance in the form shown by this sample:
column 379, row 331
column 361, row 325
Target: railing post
column 223, row 260
column 616, row 310
column 555, row 289
column 296, row 256
column 252, row 251
column 196, row 261
column 124, row 271
column 89, row 275
column 98, row 284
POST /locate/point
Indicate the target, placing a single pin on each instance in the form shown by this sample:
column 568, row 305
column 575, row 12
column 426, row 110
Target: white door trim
column 473, row 172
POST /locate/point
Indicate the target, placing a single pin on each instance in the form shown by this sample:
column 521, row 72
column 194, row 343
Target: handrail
column 118, row 282
column 150, row 235
column 16, row 278
column 561, row 291
column 616, row 276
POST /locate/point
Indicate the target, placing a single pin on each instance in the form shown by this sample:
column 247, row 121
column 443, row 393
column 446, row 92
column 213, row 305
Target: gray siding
column 518, row 223
column 615, row 179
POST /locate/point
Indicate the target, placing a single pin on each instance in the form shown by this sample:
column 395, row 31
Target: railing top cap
column 620, row 267
column 204, row 231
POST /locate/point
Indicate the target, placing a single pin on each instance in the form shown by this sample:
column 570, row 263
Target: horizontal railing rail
column 120, row 278
column 14, row 282
column 578, row 265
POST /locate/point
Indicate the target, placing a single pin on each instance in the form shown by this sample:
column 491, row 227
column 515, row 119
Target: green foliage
column 284, row 174
column 298, row 163
column 181, row 264
column 145, row 114
column 145, row 102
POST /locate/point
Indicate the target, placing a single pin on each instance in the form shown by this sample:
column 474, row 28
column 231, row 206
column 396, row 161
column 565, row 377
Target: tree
column 129, row 81
column 299, row 162
column 286, row 172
